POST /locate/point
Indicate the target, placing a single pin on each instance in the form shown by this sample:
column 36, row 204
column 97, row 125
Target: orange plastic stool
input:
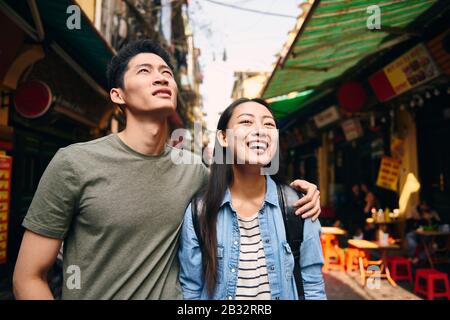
column 334, row 260
column 396, row 264
column 352, row 256
column 328, row 242
column 430, row 276
column 334, row 257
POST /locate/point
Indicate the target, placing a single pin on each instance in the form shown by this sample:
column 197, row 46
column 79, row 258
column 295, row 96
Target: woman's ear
column 116, row 96
column 222, row 138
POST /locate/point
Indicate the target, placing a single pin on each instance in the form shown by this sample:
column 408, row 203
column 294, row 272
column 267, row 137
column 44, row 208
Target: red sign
column 33, row 99
column 5, row 195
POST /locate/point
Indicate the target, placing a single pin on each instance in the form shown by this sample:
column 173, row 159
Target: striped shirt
column 253, row 281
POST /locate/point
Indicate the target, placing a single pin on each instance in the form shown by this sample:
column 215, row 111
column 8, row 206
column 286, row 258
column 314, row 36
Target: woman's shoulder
column 287, row 190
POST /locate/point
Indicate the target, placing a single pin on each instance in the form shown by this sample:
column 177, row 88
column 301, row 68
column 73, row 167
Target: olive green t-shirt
column 119, row 213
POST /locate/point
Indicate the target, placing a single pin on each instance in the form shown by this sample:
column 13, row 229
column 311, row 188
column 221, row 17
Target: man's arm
column 36, row 256
column 309, row 205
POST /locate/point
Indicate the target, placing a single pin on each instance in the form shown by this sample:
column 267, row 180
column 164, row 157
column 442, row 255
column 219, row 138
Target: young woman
column 243, row 252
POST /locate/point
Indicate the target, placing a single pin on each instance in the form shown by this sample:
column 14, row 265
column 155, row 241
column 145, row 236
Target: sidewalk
column 338, row 285
column 347, row 286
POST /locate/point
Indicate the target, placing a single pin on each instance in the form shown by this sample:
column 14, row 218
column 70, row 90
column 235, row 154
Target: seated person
column 421, row 216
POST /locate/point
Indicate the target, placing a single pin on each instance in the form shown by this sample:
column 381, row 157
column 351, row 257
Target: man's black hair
column 119, row 63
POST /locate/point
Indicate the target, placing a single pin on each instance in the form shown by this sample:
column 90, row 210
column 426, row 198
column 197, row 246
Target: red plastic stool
column 430, row 276
column 400, row 268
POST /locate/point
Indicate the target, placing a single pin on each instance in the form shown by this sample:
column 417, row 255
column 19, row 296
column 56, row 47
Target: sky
column 250, row 40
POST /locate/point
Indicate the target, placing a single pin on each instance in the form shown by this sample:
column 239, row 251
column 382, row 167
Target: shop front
column 415, row 87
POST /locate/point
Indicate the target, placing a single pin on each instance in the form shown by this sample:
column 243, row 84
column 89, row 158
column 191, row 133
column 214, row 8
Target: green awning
column 285, row 105
column 335, row 38
column 85, row 45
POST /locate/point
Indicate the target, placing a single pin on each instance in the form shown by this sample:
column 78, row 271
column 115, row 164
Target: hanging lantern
column 352, row 96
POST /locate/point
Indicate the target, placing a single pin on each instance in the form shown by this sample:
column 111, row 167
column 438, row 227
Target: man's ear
column 222, row 138
column 117, row 96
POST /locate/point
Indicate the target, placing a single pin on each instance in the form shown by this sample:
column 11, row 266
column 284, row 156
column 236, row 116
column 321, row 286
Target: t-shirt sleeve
column 55, row 201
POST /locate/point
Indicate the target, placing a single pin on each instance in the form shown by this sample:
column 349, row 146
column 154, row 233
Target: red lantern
column 352, row 96
column 33, row 99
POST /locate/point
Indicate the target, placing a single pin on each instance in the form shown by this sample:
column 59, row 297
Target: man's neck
column 146, row 136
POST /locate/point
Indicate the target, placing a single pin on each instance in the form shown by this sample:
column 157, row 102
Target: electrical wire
column 251, row 10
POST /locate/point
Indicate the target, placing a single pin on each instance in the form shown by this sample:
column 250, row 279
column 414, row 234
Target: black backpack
column 293, row 225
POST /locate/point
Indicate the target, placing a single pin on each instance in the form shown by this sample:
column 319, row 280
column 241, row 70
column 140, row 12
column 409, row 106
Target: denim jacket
column 279, row 258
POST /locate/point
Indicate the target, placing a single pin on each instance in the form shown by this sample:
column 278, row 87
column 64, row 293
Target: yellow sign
column 411, row 69
column 5, row 194
column 388, row 173
column 397, row 148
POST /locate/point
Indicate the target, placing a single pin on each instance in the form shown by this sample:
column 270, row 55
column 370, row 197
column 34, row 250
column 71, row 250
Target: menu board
column 410, row 70
column 388, row 173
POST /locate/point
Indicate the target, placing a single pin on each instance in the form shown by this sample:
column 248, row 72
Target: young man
column 118, row 201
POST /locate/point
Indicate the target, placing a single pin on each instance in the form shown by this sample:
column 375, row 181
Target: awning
column 284, row 105
column 84, row 45
column 335, row 38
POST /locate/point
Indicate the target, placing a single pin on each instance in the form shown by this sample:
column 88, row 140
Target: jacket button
column 233, row 270
column 267, row 240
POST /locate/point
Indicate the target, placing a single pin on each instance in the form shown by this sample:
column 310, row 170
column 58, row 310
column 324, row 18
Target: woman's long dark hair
column 220, row 178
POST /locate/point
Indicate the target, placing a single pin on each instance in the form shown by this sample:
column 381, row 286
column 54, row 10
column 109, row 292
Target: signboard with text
column 388, row 173
column 327, row 117
column 5, row 195
column 352, row 129
column 410, row 70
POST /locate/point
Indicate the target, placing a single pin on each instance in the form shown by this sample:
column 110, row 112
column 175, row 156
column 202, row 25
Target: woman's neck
column 248, row 189
column 147, row 136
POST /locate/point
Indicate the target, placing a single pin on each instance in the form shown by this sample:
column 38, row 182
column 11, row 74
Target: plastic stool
column 396, row 263
column 352, row 256
column 429, row 290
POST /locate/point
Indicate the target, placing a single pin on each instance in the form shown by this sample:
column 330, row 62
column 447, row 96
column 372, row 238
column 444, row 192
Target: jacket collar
column 271, row 196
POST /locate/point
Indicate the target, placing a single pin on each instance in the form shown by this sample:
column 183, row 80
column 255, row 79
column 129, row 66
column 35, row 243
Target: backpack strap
column 196, row 210
column 294, row 230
